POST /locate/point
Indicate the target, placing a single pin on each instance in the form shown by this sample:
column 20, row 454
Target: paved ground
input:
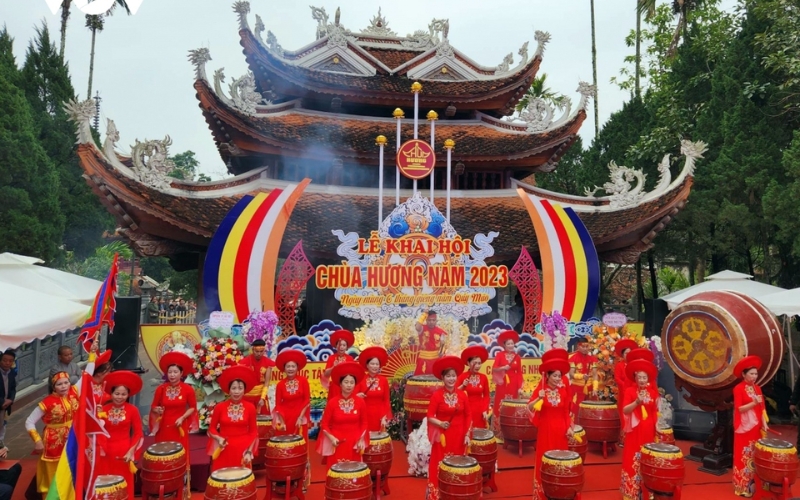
column 19, row 442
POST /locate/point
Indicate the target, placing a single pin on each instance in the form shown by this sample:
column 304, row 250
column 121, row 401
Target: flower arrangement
column 556, row 332
column 398, row 333
column 396, row 390
column 212, row 356
column 204, row 414
column 419, row 450
column 601, row 344
column 262, row 326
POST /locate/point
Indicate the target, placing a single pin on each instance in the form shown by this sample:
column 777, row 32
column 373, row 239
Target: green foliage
column 668, row 280
column 183, row 283
column 31, row 222
column 780, row 200
column 539, row 89
column 778, row 47
column 185, row 166
column 47, row 86
column 96, row 266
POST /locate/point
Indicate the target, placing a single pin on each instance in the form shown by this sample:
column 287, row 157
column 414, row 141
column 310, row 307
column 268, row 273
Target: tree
column 96, row 266
column 95, row 23
column 185, row 166
column 65, row 5
column 31, row 222
column 539, row 89
column 594, row 74
column 47, row 86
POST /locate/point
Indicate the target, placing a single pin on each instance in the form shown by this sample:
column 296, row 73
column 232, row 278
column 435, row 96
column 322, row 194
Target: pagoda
column 315, row 113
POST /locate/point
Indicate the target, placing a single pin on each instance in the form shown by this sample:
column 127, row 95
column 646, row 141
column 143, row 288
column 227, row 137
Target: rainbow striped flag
column 102, row 312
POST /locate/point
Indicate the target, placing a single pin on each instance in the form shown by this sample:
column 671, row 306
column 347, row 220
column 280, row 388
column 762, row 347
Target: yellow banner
column 160, row 339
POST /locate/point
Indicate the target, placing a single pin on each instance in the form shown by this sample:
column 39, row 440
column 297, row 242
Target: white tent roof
column 783, row 303
column 37, row 301
column 23, row 271
column 725, row 280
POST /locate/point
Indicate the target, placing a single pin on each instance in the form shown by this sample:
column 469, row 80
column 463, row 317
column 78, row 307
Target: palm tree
column 594, row 75
column 95, row 24
column 65, row 4
column 680, row 8
column 540, row 89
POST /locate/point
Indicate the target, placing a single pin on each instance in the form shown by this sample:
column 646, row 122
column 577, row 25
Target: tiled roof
column 392, row 58
column 191, row 220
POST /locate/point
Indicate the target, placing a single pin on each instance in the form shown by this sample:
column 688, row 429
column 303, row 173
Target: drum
column 348, row 481
column 264, row 423
column 418, row 393
column 515, row 420
column 562, row 474
column 460, row 478
column 578, row 442
column 774, row 460
column 231, row 483
column 483, row 448
column 111, row 488
column 163, row 468
column 665, row 435
column 286, row 456
column 705, row 336
column 661, row 468
column 378, row 455
column 600, row 420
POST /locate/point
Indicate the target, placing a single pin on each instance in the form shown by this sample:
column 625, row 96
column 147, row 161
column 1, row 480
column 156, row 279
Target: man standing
column 152, row 310
column 582, row 365
column 262, row 365
column 9, row 388
column 66, row 364
column 431, row 342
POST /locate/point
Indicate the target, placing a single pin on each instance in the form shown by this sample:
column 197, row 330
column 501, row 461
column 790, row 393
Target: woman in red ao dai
column 476, row 385
column 341, row 340
column 233, row 430
column 374, row 389
column 507, row 369
column 173, row 412
column 550, row 408
column 640, row 407
column 449, row 419
column 343, row 429
column 749, row 424
column 292, row 410
column 124, row 426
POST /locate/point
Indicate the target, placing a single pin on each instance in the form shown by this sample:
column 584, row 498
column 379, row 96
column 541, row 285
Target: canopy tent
column 783, row 303
column 725, row 280
column 36, row 301
column 24, row 272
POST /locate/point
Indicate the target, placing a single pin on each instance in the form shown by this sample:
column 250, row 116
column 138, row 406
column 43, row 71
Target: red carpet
column 514, row 479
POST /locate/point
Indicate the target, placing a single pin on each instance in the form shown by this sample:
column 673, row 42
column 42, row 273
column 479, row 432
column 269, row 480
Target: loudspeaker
column 693, row 425
column 655, row 312
column 124, row 341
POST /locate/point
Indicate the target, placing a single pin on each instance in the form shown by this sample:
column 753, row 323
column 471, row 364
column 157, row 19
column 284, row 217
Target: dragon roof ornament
column 242, row 8
column 378, row 25
column 81, row 114
column 151, row 163
column 199, row 58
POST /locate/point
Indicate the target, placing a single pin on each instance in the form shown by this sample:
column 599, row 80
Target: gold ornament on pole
column 432, row 117
column 380, row 141
column 449, row 144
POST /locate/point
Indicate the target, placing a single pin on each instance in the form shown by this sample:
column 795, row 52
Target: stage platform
column 514, row 479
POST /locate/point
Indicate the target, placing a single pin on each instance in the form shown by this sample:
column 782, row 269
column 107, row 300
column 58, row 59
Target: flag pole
column 398, row 114
column 449, row 144
column 416, row 87
column 432, row 117
column 381, row 142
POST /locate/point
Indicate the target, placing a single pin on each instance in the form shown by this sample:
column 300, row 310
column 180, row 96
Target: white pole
column 398, row 114
column 380, row 141
column 433, row 134
column 416, row 87
column 449, row 144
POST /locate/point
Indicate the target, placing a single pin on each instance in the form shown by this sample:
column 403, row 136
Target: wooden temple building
column 315, row 113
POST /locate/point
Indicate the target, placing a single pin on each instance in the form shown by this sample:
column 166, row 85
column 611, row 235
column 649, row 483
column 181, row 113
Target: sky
column 145, row 79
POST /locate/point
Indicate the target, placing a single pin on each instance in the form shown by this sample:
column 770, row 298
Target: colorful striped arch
column 240, row 266
column 570, row 266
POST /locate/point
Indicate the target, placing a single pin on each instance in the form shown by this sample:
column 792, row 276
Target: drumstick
column 774, row 432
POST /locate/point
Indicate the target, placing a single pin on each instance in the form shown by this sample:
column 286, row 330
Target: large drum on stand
column 515, row 422
column 776, row 465
column 417, row 395
column 600, row 420
column 286, row 461
column 483, row 448
column 460, row 478
column 348, row 481
column 562, row 474
column 109, row 487
column 378, row 457
column 662, row 470
column 231, row 483
column 164, row 470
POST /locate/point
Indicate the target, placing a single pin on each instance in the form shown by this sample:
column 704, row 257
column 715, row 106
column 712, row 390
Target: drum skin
column 163, row 464
column 264, row 423
column 231, row 483
column 483, row 448
column 775, row 459
column 286, row 456
column 662, row 468
column 378, row 455
column 460, row 478
column 418, row 393
column 704, row 337
column 562, row 474
column 515, row 420
column 578, row 442
column 600, row 420
column 109, row 487
column 348, row 481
